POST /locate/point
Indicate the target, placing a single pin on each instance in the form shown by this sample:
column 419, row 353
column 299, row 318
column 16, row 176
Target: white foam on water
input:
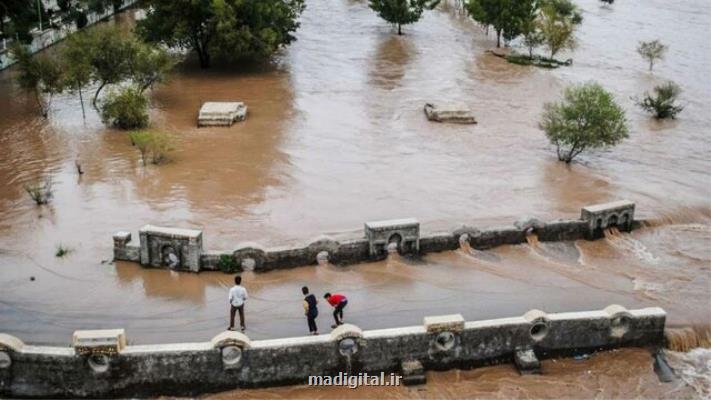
column 627, row 244
column 694, row 368
column 647, row 286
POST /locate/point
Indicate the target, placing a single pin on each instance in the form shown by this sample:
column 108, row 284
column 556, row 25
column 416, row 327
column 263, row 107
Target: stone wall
column 100, row 364
column 405, row 236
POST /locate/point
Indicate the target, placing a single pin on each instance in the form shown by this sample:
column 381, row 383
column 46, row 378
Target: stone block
column 121, row 239
column 413, row 373
column 453, row 113
column 614, row 214
column 9, row 342
column 231, row 338
column 104, row 341
column 444, row 323
column 214, row 113
column 405, row 233
column 173, row 248
column 526, row 361
column 346, row 331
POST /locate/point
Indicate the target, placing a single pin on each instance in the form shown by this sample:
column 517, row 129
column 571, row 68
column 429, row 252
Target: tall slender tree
column 76, row 63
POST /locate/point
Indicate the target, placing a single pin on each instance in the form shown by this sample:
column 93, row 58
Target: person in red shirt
column 339, row 302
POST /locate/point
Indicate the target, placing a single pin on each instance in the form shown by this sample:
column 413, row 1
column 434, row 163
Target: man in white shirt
column 238, row 295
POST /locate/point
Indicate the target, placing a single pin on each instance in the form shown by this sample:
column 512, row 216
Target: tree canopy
column 652, row 51
column 401, row 12
column 557, row 23
column 587, row 117
column 40, row 75
column 507, row 17
column 231, row 29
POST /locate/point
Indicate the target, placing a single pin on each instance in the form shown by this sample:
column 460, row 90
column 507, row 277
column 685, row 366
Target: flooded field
column 335, row 137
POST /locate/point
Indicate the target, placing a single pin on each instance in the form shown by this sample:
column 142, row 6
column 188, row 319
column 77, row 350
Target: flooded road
column 336, row 136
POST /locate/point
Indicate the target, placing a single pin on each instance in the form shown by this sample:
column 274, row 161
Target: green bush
column 125, row 109
column 661, row 105
column 587, row 117
column 154, row 146
column 228, row 264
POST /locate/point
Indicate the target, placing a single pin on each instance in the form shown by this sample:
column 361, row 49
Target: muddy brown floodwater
column 336, row 136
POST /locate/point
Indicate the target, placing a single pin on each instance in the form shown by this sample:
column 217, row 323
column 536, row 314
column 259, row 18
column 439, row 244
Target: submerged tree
column 77, row 65
column 557, row 22
column 105, row 56
column 588, row 117
column 110, row 52
column 232, row 29
column 401, row 12
column 532, row 36
column 507, row 17
column 39, row 75
column 662, row 103
column 149, row 65
column 652, row 51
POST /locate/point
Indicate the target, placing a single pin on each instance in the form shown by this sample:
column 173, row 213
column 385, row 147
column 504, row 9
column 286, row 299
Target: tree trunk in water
column 498, row 38
column 399, row 29
column 81, row 100
column 204, row 58
column 96, row 95
column 40, row 104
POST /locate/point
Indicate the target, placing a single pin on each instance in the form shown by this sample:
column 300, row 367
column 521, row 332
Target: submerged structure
column 214, row 113
column 102, row 364
column 456, row 114
column 181, row 249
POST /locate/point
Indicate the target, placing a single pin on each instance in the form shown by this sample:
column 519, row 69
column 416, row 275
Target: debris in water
column 662, row 368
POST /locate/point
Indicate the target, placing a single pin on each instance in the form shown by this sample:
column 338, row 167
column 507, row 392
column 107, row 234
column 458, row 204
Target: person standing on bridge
column 237, row 298
column 339, row 302
column 310, row 310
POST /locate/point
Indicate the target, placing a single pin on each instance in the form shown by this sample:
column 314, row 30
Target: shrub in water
column 154, row 146
column 662, row 103
column 125, row 109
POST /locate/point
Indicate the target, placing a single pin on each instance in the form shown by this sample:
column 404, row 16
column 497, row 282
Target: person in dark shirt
column 310, row 310
column 339, row 302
